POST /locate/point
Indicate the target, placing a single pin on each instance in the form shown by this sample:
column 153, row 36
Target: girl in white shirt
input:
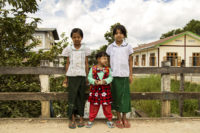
column 121, row 63
column 76, row 72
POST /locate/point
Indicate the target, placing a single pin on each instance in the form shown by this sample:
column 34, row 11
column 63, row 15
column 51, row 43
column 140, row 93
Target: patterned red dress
column 100, row 94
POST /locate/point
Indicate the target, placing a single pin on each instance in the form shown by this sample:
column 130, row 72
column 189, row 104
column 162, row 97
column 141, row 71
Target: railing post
column 44, row 82
column 181, row 89
column 165, row 87
column 45, row 105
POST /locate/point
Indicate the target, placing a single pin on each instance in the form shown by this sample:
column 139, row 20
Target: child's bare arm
column 130, row 68
column 86, row 65
column 66, row 67
column 67, row 64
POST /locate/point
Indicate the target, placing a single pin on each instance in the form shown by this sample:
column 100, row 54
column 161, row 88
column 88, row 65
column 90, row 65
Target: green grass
column 152, row 108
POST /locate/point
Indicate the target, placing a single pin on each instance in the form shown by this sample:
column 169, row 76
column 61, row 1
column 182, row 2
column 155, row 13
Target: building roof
column 53, row 30
column 165, row 40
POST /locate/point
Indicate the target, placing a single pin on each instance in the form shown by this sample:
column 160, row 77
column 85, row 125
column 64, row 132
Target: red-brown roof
column 152, row 44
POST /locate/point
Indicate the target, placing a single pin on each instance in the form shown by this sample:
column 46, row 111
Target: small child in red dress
column 100, row 78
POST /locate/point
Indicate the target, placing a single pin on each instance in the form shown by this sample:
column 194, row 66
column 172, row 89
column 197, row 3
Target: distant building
column 184, row 46
column 47, row 37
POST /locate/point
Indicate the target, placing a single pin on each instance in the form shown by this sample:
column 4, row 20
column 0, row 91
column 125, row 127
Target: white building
column 47, row 38
column 184, row 46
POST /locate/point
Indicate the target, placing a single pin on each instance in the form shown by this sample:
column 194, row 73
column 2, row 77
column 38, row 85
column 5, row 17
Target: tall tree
column 193, row 26
column 16, row 28
column 109, row 34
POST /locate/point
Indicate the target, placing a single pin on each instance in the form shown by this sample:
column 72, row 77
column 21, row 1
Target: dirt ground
column 161, row 125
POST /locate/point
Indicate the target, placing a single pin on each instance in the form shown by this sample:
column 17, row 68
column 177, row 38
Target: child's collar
column 82, row 46
column 124, row 44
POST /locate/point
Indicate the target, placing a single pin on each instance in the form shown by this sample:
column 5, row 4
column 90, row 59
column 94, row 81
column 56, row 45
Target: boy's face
column 103, row 61
column 119, row 36
column 76, row 38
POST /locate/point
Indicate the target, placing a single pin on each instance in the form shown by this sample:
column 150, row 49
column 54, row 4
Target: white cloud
column 144, row 20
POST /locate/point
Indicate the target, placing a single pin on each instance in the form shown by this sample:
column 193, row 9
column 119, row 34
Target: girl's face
column 76, row 38
column 119, row 36
column 103, row 61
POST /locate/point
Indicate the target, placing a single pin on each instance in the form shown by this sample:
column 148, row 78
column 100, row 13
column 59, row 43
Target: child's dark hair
column 121, row 28
column 101, row 54
column 77, row 30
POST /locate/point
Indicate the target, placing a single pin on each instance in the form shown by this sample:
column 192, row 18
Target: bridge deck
column 139, row 125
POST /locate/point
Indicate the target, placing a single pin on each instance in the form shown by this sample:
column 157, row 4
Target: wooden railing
column 45, row 95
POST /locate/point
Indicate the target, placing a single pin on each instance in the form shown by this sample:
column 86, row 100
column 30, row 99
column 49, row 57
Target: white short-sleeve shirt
column 119, row 58
column 77, row 59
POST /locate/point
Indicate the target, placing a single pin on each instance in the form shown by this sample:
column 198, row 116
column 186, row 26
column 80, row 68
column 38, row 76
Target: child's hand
column 87, row 82
column 130, row 79
column 65, row 82
column 104, row 82
column 96, row 82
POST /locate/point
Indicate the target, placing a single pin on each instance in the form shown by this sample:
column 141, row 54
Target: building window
column 44, row 63
column 196, row 59
column 152, row 59
column 174, row 59
column 39, row 38
column 137, row 60
column 56, row 63
column 143, row 60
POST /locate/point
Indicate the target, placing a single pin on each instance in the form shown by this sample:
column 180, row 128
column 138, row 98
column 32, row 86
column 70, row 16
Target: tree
column 193, row 26
column 109, row 37
column 109, row 34
column 16, row 28
column 14, row 33
column 92, row 58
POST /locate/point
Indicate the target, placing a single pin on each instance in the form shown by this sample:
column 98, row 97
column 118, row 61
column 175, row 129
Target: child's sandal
column 126, row 124
column 119, row 124
column 81, row 124
column 89, row 124
column 110, row 124
column 72, row 125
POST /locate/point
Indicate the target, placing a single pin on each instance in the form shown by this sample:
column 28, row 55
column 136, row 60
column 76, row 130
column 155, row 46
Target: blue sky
column 96, row 4
column 145, row 20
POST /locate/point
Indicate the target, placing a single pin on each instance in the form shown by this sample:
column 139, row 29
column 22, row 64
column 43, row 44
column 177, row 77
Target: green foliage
column 109, row 34
column 146, row 84
column 19, row 83
column 16, row 29
column 153, row 107
column 193, row 26
column 15, row 109
column 60, row 107
column 92, row 58
column 24, row 6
